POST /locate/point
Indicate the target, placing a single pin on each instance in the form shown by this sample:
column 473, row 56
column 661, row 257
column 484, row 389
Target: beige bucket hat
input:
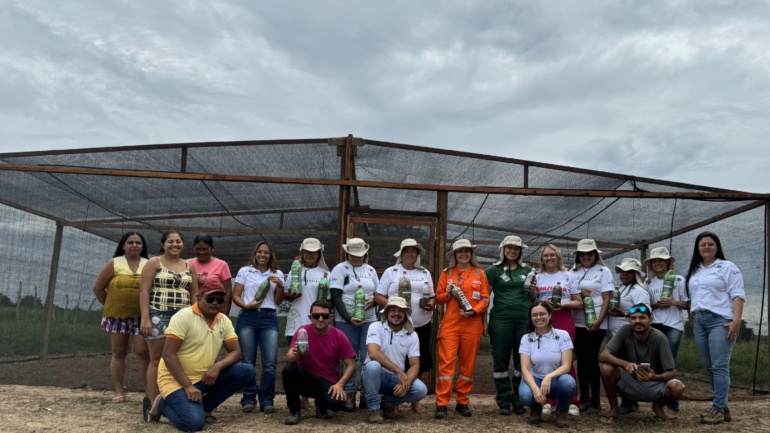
column 410, row 243
column 356, row 247
column 459, row 244
column 659, row 253
column 396, row 301
column 584, row 246
column 631, row 264
column 509, row 240
column 312, row 245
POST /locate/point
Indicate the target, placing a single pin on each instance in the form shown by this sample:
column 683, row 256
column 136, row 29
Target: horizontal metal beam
column 207, row 215
column 201, row 229
column 516, row 231
column 387, row 185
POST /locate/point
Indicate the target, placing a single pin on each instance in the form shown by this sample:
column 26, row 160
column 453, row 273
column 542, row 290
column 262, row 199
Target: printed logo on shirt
column 477, row 282
column 476, row 295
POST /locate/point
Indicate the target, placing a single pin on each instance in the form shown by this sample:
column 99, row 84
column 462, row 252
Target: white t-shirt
column 251, row 278
column 421, row 282
column 598, row 279
column 714, row 288
column 545, row 354
column 546, row 282
column 347, row 278
column 629, row 296
column 300, row 307
column 396, row 346
column 669, row 316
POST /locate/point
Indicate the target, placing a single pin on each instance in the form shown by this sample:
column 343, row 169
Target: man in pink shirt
column 314, row 374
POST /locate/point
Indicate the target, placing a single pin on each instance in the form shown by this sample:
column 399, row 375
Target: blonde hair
column 559, row 262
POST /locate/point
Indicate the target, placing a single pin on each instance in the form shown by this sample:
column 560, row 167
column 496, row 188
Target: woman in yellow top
column 168, row 284
column 117, row 289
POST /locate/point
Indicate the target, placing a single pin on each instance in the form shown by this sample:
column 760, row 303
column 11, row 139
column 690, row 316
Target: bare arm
column 380, row 299
column 228, row 284
column 102, row 280
column 194, row 284
column 145, row 286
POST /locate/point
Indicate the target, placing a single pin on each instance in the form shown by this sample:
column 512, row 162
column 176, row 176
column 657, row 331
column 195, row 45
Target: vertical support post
column 439, row 250
column 526, row 176
column 345, row 174
column 767, row 276
column 643, row 257
column 183, row 164
column 51, row 290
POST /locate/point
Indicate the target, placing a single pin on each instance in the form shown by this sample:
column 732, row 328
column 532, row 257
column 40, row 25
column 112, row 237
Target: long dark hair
column 530, row 325
column 272, row 264
column 697, row 259
column 119, row 251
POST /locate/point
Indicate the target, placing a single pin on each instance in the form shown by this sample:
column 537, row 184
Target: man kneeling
column 192, row 382
column 637, row 364
column 388, row 344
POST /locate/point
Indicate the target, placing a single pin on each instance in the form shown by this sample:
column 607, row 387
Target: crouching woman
column 546, row 358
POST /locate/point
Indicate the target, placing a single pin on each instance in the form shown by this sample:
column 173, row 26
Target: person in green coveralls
column 508, row 321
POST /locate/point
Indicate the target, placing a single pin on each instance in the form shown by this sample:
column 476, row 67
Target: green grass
column 741, row 363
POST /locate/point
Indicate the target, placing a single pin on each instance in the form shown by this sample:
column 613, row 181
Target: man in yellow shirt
column 192, row 382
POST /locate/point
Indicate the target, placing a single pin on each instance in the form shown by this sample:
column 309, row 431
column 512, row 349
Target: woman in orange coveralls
column 460, row 331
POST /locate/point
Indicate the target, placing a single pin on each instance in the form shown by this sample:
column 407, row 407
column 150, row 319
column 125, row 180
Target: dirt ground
column 77, row 399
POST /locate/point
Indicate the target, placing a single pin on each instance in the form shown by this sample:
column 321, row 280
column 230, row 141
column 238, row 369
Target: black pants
column 297, row 382
column 426, row 360
column 587, row 345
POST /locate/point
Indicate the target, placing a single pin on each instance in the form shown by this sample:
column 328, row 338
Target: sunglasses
column 215, row 299
column 318, row 316
column 641, row 309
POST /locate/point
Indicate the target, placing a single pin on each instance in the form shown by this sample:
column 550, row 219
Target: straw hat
column 312, row 245
column 410, row 243
column 356, row 247
column 660, row 253
column 396, row 301
column 509, row 240
column 631, row 264
column 459, row 244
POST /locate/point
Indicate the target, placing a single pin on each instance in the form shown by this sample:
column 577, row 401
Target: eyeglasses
column 318, row 316
column 218, row 299
column 641, row 309
column 536, row 315
column 549, row 256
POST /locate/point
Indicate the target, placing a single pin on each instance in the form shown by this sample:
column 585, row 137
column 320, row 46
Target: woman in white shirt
column 632, row 292
column 716, row 294
column 546, row 359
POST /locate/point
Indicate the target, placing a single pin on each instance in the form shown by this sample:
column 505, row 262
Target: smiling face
column 640, row 322
column 626, row 277
column 587, row 259
column 310, row 258
column 396, row 317
column 550, row 259
column 355, row 260
column 463, row 256
column 409, row 257
column 173, row 245
column 512, row 253
column 540, row 316
column 659, row 266
column 707, row 247
column 211, row 304
column 133, row 246
column 320, row 324
column 262, row 255
column 203, row 252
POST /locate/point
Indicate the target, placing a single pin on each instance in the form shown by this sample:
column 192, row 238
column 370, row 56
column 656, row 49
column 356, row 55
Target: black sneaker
column 441, row 412
column 292, row 419
column 585, row 403
column 519, row 410
column 322, row 413
column 463, row 410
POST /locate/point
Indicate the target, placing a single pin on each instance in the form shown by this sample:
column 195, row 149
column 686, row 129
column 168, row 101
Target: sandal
column 119, row 399
column 608, row 419
column 150, row 411
column 210, row 419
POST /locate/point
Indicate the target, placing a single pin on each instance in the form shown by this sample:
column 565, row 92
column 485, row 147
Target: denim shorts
column 159, row 320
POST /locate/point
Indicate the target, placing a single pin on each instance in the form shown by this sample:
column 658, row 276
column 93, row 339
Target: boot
column 350, row 402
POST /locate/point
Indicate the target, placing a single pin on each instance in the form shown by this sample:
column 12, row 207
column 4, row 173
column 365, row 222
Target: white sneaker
column 574, row 410
column 547, row 409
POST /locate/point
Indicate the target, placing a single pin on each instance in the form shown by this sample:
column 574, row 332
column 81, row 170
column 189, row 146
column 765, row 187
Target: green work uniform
column 508, row 322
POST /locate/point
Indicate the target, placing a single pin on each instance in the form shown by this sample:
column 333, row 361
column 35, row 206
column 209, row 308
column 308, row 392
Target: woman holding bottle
column 632, row 292
column 257, row 325
column 346, row 278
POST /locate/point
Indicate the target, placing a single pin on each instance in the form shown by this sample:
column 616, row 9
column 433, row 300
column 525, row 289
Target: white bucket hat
column 631, row 264
column 410, row 243
column 659, row 253
column 584, row 246
column 312, row 245
column 356, row 247
column 459, row 244
column 396, row 301
column 509, row 240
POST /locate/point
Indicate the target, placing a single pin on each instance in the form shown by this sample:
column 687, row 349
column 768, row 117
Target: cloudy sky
column 678, row 90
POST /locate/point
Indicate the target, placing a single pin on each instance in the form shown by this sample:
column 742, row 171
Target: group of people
column 175, row 312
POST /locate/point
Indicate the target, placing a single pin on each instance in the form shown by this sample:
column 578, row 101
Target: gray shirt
column 655, row 351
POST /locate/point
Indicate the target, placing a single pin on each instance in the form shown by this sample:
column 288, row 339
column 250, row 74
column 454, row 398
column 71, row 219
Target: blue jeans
column 378, row 380
column 715, row 350
column 562, row 389
column 357, row 338
column 674, row 337
column 259, row 328
column 189, row 415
